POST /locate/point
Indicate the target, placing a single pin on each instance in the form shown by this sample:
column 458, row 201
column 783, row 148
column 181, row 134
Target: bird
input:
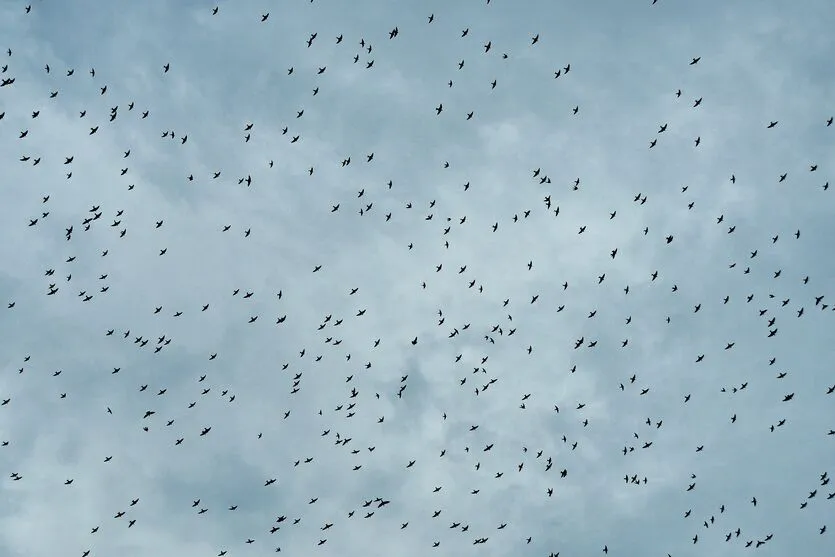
column 401, row 358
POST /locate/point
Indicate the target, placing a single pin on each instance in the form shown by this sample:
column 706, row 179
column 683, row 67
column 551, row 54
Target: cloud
column 313, row 400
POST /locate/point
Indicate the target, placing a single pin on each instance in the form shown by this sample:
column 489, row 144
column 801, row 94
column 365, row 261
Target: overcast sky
column 467, row 293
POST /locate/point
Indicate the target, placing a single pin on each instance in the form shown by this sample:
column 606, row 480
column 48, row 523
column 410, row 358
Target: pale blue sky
column 760, row 61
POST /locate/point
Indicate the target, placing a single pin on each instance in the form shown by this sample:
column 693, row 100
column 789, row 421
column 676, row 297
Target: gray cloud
column 758, row 64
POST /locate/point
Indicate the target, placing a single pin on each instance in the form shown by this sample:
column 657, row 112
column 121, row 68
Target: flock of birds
column 475, row 378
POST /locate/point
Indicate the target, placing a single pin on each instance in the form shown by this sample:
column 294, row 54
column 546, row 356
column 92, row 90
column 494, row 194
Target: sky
column 455, row 300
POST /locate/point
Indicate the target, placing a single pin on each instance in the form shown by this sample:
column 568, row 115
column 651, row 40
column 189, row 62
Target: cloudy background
column 759, row 62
